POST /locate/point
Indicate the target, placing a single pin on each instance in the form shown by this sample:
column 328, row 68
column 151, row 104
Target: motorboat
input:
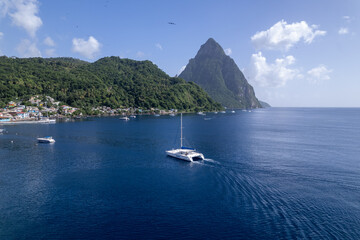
column 124, row 118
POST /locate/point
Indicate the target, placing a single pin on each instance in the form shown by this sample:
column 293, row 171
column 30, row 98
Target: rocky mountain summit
column 220, row 77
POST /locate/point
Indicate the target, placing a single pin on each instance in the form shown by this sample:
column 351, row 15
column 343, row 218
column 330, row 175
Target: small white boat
column 1, row 130
column 133, row 116
column 47, row 120
column 157, row 115
column 201, row 113
column 46, row 140
column 185, row 153
column 222, row 112
column 172, row 114
column 124, row 118
column 215, row 112
column 232, row 111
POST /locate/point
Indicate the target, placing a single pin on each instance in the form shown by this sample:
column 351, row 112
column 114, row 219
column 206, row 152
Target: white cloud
column 158, row 45
column 282, row 36
column 181, row 69
column 23, row 14
column 49, row 42
column 26, row 48
column 87, row 48
column 50, row 52
column 347, row 18
column 319, row 74
column 4, row 7
column 140, row 54
column 343, row 31
column 228, row 51
column 271, row 74
column 1, row 35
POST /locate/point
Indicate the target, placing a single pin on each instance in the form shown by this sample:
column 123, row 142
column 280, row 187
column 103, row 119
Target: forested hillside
column 110, row 81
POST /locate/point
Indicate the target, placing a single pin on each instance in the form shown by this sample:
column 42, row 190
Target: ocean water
column 277, row 173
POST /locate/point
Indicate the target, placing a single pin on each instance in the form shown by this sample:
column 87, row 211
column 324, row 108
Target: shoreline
column 43, row 121
column 62, row 118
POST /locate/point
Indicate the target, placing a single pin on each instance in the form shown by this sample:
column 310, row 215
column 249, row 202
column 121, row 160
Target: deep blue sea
column 277, row 173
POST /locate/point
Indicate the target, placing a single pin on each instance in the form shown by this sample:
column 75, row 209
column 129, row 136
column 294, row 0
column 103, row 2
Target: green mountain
column 220, row 77
column 110, row 81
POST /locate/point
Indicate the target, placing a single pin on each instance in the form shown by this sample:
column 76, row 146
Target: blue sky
column 294, row 53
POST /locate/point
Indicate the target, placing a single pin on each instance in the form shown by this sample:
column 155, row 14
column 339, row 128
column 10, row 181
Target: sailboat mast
column 181, row 134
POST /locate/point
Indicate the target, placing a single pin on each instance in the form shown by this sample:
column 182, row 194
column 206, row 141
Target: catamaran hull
column 179, row 157
column 189, row 158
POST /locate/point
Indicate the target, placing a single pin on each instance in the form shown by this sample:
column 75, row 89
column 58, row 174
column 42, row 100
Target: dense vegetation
column 110, row 81
column 220, row 77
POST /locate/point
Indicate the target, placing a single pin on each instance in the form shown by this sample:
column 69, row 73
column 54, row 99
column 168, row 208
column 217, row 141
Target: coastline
column 28, row 121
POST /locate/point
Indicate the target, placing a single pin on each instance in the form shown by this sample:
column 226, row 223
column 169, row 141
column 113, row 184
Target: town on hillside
column 40, row 107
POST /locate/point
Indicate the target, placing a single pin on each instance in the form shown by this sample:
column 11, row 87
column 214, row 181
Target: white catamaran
column 185, row 153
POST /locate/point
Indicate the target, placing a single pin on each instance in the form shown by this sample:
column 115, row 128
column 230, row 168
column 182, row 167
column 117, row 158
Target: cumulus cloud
column 158, row 45
column 319, row 74
column 343, row 31
column 26, row 48
column 23, row 13
column 87, row 48
column 283, row 36
column 49, row 42
column 275, row 74
column 228, row 51
column 181, row 69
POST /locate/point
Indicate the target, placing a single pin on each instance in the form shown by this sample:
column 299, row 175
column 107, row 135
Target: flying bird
column 171, row 23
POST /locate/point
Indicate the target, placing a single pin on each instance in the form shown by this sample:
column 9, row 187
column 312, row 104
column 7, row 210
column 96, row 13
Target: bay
column 276, row 173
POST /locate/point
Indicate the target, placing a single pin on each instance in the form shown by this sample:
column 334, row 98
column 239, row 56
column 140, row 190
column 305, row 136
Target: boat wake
column 211, row 160
column 208, row 162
